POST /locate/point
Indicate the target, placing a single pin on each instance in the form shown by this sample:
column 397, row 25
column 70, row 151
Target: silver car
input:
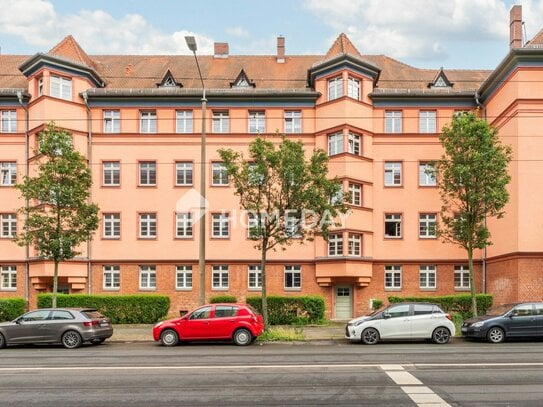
column 69, row 326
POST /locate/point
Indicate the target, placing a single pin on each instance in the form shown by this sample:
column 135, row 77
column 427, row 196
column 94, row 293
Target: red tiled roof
column 342, row 45
column 68, row 48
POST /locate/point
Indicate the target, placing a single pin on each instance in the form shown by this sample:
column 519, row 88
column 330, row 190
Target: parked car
column 520, row 320
column 239, row 323
column 402, row 321
column 69, row 326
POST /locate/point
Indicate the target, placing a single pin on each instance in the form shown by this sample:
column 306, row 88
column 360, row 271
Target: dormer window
column 61, row 87
column 168, row 81
column 242, row 81
column 441, row 81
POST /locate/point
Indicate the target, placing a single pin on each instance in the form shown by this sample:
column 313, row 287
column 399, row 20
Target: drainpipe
column 89, row 158
column 483, row 109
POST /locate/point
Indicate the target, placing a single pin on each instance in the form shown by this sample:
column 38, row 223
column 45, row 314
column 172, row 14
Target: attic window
column 168, row 81
column 242, row 81
column 441, row 81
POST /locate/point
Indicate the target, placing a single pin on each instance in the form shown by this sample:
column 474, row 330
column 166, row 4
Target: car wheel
column 169, row 337
column 97, row 341
column 242, row 337
column 71, row 340
column 2, row 341
column 441, row 335
column 370, row 336
column 495, row 335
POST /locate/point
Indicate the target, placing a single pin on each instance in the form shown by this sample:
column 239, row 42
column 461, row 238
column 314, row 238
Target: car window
column 539, row 309
column 201, row 313
column 92, row 314
column 38, row 315
column 423, row 309
column 522, row 310
column 399, row 311
column 61, row 315
column 225, row 311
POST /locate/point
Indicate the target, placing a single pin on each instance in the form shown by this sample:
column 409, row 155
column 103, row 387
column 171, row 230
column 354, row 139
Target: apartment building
column 138, row 120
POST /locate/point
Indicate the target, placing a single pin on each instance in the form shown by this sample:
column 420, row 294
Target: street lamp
column 191, row 43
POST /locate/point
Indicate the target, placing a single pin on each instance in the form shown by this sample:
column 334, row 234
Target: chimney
column 281, row 49
column 515, row 27
column 221, row 50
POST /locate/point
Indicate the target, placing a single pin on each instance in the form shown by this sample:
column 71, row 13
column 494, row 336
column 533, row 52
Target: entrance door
column 343, row 302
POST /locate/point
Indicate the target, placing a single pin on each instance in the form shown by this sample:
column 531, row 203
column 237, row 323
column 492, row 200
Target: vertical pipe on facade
column 483, row 109
column 89, row 159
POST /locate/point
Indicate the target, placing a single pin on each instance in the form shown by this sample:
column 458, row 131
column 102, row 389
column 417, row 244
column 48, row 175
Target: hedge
column 11, row 308
column 223, row 299
column 291, row 310
column 121, row 309
column 460, row 304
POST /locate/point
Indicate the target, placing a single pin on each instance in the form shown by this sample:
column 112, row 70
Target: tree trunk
column 264, row 295
column 55, row 286
column 472, row 282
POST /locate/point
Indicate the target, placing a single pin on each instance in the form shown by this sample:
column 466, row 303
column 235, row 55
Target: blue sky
column 423, row 33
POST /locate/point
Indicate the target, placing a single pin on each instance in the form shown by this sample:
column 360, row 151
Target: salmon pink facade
column 138, row 120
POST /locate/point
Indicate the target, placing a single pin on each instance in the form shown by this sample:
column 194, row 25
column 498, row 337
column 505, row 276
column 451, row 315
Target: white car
column 402, row 321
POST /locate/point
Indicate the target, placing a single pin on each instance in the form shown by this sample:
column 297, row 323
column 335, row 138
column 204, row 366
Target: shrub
column 223, row 298
column 121, row 309
column 300, row 310
column 459, row 304
column 376, row 304
column 11, row 308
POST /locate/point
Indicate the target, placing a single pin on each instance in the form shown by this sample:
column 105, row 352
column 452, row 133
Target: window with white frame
column 40, row 86
column 427, row 121
column 8, row 277
column 257, row 121
column 219, row 174
column 8, row 173
column 293, row 121
column 393, row 277
column 147, row 277
column 427, row 277
column 8, row 222
column 393, row 174
column 293, row 277
column 355, row 244
column 353, row 88
column 147, row 173
column 255, row 225
column 427, row 225
column 148, row 225
column 220, row 225
column 183, row 173
column 354, row 144
column 335, row 88
column 148, row 121
column 111, row 172
column 427, row 177
column 461, row 277
column 183, row 225
column 255, row 277
column 112, row 121
column 335, row 244
column 219, row 277
column 335, row 144
column 61, row 87
column 393, row 121
column 112, row 225
column 9, row 121
column 221, row 122
column 292, row 223
column 183, row 121
column 111, row 277
column 183, row 277
column 393, row 225
column 355, row 194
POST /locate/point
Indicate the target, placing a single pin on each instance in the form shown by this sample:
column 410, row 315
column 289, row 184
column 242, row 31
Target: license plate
column 464, row 329
column 104, row 324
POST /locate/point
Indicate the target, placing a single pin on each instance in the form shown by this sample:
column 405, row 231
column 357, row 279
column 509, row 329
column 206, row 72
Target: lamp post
column 191, row 43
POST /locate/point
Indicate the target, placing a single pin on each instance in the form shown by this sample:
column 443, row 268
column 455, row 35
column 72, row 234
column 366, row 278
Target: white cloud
column 237, row 32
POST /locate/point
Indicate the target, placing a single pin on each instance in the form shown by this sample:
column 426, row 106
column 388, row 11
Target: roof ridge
column 342, row 45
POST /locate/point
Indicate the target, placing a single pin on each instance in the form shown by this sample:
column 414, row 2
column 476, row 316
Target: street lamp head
column 191, row 43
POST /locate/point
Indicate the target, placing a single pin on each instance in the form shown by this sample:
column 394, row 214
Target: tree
column 58, row 216
column 287, row 197
column 472, row 178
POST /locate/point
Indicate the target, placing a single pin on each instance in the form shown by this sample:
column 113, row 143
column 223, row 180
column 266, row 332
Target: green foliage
column 11, row 308
column 223, row 298
column 299, row 310
column 455, row 304
column 121, row 309
column 285, row 334
column 376, row 304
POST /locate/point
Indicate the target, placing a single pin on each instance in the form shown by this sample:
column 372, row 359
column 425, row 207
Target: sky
column 454, row 34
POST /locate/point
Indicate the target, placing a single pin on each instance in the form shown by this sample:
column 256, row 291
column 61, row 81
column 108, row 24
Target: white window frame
column 111, row 173
column 183, row 277
column 147, row 280
column 183, row 225
column 221, row 121
column 393, row 277
column 112, row 121
column 60, row 87
column 396, row 219
column 252, row 223
column 335, row 245
column 293, row 121
column 393, row 174
column 335, row 144
column 148, row 121
column 111, row 277
column 254, row 277
column 183, row 173
column 355, row 245
column 183, row 121
column 393, row 121
column 353, row 88
column 220, row 225
column 335, row 88
column 8, row 173
column 354, row 144
column 426, row 179
column 355, row 194
column 427, row 225
column 257, row 121
column 219, row 174
column 293, row 278
column 112, row 225
column 8, row 278
column 8, row 225
column 147, row 173
column 147, row 225
column 219, row 277
column 427, row 277
column 461, row 277
column 292, row 224
column 9, row 121
column 427, row 121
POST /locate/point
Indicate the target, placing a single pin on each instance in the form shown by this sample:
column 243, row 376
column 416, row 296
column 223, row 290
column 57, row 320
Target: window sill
column 183, row 289
column 393, row 289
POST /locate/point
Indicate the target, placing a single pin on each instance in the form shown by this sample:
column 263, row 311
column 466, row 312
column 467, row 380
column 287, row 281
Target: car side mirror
column 513, row 314
column 386, row 315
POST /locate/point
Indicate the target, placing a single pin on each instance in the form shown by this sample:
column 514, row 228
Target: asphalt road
column 297, row 374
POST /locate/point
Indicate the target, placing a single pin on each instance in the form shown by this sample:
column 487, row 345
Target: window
column 40, row 86
column 254, row 230
column 335, row 88
column 355, row 244
column 335, row 244
column 183, row 222
column 393, row 174
column 201, row 313
column 112, row 121
column 112, row 277
column 183, row 173
column 183, row 277
column 335, row 144
column 427, row 276
column 219, row 277
column 398, row 311
column 112, row 225
column 393, row 122
column 183, row 121
column 8, row 277
column 393, row 277
column 427, row 121
column 293, row 121
column 147, row 277
column 220, row 223
column 61, row 87
column 9, row 121
column 257, row 122
column 225, row 311
column 147, row 225
column 427, row 225
column 219, row 175
column 147, row 173
column 355, row 194
column 353, row 88
column 427, row 176
column 221, row 122
column 461, row 277
column 293, row 277
column 255, row 277
column 148, row 121
column 393, row 225
column 292, row 223
column 8, row 222
column 354, row 144
column 8, row 173
column 111, row 173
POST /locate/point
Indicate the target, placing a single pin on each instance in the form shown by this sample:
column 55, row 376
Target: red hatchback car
column 239, row 323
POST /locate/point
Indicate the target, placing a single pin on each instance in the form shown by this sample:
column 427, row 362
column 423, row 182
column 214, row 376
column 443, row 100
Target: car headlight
column 477, row 324
column 357, row 323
